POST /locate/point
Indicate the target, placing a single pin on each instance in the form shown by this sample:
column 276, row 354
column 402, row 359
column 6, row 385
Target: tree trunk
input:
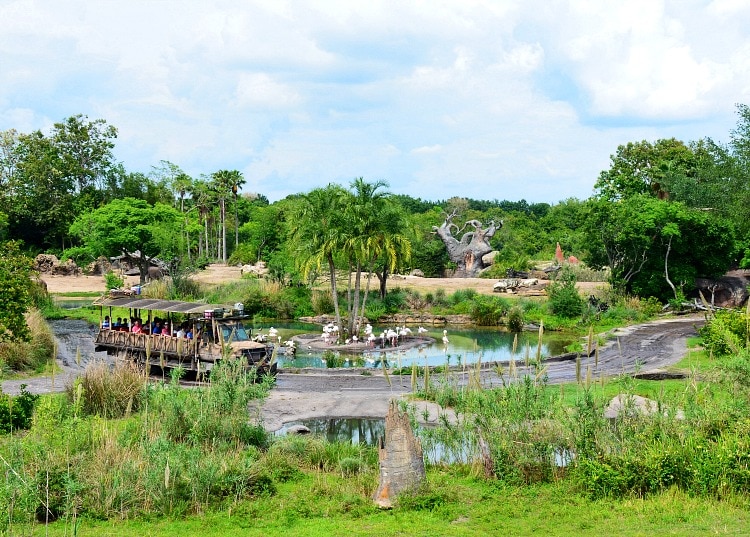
column 223, row 231
column 666, row 268
column 334, row 292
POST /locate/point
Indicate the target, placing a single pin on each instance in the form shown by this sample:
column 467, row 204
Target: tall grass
column 33, row 355
column 108, row 392
column 185, row 451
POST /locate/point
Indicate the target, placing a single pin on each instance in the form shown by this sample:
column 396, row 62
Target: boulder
column 623, row 405
column 69, row 268
column 416, row 272
column 489, row 259
column 45, row 262
column 100, row 267
column 298, row 429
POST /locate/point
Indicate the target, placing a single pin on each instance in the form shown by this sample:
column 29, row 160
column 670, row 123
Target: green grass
column 83, row 294
column 323, row 504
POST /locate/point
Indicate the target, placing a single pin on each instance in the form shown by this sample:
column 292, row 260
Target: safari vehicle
column 218, row 334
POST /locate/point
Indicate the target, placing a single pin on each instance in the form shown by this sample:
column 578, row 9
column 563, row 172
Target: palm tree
column 367, row 202
column 201, row 194
column 317, row 233
column 239, row 181
column 181, row 185
column 222, row 183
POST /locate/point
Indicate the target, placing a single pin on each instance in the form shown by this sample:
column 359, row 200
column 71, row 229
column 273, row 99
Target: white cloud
column 260, row 89
column 489, row 99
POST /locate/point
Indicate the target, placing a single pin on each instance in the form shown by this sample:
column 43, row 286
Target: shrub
column 16, row 412
column 564, row 299
column 33, row 355
column 322, row 302
column 725, row 333
column 515, row 319
column 488, row 310
column 113, row 281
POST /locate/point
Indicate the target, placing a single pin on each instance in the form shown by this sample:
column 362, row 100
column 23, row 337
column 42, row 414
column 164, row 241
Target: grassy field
column 454, row 503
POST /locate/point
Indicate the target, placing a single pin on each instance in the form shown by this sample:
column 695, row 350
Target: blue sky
column 483, row 99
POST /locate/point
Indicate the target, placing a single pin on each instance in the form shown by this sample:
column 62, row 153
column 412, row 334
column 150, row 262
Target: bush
column 489, row 310
column 33, row 355
column 515, row 319
column 113, row 281
column 322, row 302
column 16, row 412
column 564, row 299
column 725, row 333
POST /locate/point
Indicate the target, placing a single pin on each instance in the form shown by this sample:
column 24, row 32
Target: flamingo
column 421, row 330
column 445, row 337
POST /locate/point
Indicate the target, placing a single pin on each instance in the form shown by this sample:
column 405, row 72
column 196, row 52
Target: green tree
column 649, row 243
column 645, row 168
column 85, row 150
column 222, row 183
column 317, row 234
column 129, row 225
column 15, row 292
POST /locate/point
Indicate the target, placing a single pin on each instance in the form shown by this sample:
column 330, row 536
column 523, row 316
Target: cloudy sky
column 483, row 99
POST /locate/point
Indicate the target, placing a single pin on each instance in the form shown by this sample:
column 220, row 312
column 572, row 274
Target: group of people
column 155, row 327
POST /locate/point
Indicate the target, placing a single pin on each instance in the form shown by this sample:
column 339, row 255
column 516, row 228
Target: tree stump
column 400, row 456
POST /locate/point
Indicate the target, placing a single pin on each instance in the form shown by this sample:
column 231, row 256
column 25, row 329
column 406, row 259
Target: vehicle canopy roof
column 154, row 304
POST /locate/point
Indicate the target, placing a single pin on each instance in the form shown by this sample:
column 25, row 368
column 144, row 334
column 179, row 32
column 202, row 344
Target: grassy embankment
column 182, row 461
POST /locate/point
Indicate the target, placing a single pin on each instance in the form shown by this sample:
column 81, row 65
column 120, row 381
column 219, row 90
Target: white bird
column 421, row 330
column 445, row 337
column 273, row 332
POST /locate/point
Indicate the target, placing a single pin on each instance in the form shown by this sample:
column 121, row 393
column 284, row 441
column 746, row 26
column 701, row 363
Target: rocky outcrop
column 100, row 267
column 729, row 291
column 401, row 459
column 49, row 264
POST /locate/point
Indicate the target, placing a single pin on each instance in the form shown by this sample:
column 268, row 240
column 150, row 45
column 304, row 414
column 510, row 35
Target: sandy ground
column 216, row 274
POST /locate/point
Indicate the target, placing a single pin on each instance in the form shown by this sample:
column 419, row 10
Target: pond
column 466, row 345
column 368, row 431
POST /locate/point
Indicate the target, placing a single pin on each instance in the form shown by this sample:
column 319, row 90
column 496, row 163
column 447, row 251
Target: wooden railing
column 156, row 343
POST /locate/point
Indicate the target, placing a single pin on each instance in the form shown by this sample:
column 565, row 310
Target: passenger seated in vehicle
column 156, row 330
column 137, row 329
column 105, row 323
column 117, row 323
column 165, row 330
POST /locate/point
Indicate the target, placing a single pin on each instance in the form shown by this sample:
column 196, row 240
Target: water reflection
column 457, row 447
column 367, row 431
column 355, row 430
column 465, row 347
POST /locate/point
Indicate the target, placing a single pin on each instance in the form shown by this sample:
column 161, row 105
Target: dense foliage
column 15, row 293
column 664, row 213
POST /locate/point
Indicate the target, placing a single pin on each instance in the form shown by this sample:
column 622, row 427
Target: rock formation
column 401, row 458
column 467, row 252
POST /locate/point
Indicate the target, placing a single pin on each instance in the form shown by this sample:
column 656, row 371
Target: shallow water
column 465, row 347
